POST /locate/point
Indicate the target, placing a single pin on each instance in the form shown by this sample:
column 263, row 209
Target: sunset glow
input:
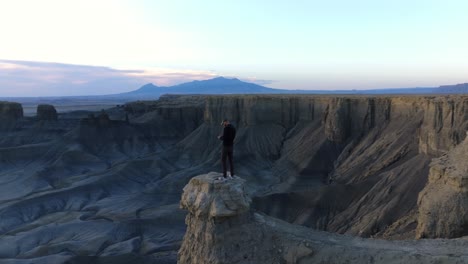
column 292, row 45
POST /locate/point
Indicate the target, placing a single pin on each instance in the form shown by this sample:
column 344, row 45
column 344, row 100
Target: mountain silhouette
column 219, row 85
column 222, row 85
column 461, row 88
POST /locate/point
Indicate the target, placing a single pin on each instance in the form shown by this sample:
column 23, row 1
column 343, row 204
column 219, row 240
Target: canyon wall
column 443, row 203
column 443, row 119
column 375, row 151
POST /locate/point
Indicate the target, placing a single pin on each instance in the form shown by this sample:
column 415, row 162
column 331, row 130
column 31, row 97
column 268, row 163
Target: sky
column 64, row 47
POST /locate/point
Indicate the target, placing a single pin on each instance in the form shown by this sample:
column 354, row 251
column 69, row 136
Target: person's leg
column 231, row 160
column 223, row 161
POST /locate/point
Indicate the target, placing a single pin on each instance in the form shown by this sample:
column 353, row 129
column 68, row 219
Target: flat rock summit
column 322, row 179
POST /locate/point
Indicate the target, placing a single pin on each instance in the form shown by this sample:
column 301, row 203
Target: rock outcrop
column 10, row 113
column 443, row 203
column 11, row 110
column 222, row 229
column 46, row 112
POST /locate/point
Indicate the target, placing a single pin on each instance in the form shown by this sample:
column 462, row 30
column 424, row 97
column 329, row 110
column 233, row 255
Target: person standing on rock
column 229, row 133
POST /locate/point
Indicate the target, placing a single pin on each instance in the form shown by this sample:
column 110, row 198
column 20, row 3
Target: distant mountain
column 218, row 85
column 452, row 89
column 396, row 91
column 145, row 89
column 222, row 85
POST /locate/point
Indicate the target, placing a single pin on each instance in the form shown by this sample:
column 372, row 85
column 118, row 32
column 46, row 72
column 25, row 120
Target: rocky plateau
column 363, row 174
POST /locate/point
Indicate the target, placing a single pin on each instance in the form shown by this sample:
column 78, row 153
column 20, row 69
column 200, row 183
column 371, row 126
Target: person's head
column 225, row 122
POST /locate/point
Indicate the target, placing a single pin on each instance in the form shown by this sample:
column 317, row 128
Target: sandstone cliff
column 222, row 229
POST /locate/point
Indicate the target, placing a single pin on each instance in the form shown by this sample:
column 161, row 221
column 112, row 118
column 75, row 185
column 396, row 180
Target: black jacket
column 229, row 133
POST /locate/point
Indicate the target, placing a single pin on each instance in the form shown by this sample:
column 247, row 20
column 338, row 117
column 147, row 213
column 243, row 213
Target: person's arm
column 221, row 137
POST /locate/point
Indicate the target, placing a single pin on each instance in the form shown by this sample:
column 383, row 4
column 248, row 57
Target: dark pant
column 227, row 153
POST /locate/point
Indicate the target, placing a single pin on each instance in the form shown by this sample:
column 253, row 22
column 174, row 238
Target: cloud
column 26, row 78
column 257, row 81
column 167, row 77
column 6, row 66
